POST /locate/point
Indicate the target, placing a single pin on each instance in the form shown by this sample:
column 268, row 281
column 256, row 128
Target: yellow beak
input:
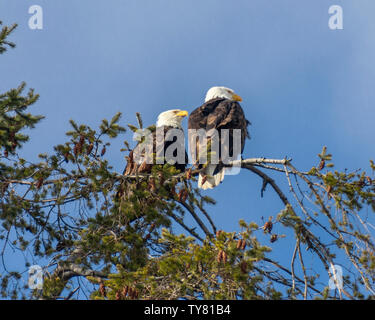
column 236, row 97
column 182, row 113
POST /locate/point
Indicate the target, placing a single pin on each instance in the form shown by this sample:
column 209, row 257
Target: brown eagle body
column 218, row 113
column 133, row 167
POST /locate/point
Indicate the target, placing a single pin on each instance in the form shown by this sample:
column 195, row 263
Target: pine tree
column 113, row 236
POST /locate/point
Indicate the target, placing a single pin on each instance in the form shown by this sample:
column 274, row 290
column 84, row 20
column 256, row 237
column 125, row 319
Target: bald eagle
column 144, row 156
column 221, row 110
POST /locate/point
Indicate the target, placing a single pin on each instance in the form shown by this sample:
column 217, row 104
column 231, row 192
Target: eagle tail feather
column 212, row 176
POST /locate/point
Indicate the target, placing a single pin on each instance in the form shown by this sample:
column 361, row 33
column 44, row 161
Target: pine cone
column 243, row 244
column 77, row 149
column 219, row 257
column 322, row 164
column 89, row 148
column 243, row 266
column 39, row 183
column 81, row 140
column 268, row 227
column 103, row 151
column 182, row 195
column 225, row 257
column 102, row 290
column 239, row 244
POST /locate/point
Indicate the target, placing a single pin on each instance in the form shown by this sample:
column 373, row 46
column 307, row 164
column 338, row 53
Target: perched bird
column 166, row 121
column 221, row 110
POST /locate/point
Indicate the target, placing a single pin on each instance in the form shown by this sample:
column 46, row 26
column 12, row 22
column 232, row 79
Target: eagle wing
column 219, row 114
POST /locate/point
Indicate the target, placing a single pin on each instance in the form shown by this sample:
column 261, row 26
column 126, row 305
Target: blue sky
column 303, row 85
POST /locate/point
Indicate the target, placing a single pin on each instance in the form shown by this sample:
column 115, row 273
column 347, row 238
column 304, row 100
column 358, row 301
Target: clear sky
column 303, row 85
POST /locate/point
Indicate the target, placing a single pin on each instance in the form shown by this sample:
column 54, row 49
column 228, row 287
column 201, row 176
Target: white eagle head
column 222, row 92
column 171, row 118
